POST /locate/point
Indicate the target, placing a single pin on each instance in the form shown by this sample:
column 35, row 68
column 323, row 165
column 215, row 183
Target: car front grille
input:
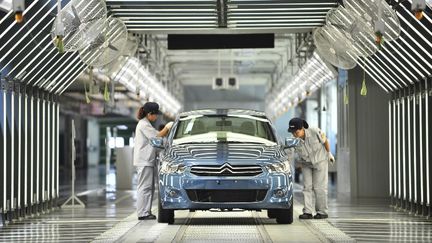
column 226, row 196
column 226, row 170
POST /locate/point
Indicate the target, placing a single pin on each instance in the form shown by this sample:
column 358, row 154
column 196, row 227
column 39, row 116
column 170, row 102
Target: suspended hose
column 363, row 90
column 59, row 29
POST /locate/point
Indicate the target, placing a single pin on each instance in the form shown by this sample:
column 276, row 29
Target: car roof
column 223, row 112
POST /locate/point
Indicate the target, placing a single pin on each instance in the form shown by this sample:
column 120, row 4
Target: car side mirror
column 291, row 142
column 157, row 142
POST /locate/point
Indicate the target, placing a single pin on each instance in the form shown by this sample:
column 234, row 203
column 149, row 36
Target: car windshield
column 224, row 128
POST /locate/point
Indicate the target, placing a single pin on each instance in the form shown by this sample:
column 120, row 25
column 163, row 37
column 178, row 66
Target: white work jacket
column 144, row 152
column 312, row 149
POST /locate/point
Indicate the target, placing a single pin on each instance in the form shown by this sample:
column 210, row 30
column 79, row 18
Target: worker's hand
column 169, row 125
column 331, row 158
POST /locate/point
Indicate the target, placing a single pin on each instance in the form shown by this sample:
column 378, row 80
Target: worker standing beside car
column 145, row 157
column 314, row 152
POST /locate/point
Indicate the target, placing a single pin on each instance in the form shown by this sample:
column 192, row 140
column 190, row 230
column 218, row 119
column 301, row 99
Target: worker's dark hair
column 305, row 124
column 141, row 113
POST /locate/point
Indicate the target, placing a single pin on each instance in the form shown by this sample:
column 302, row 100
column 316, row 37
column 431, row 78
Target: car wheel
column 271, row 213
column 285, row 216
column 165, row 215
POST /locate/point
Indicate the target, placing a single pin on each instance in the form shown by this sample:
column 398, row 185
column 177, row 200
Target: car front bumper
column 179, row 191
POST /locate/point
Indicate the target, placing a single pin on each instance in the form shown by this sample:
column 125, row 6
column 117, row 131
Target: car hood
column 219, row 153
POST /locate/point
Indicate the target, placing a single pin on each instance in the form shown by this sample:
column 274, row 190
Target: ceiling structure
column 251, row 66
column 268, row 67
column 27, row 52
column 221, row 16
column 195, row 70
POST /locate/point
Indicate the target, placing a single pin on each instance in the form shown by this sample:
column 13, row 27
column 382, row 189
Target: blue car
column 224, row 159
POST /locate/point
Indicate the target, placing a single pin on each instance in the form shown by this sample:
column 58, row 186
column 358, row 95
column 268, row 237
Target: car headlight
column 170, row 168
column 283, row 167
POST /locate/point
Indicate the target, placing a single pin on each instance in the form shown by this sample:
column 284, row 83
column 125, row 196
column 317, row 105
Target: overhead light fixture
column 170, row 25
column 288, row 24
column 153, row 17
column 143, row 22
column 26, row 154
column 427, row 144
column 308, row 79
column 278, row 13
column 422, row 161
column 279, row 9
column 284, row 17
column 409, row 148
column 391, row 176
column 278, row 21
column 259, row 3
column 165, row 10
column 134, row 76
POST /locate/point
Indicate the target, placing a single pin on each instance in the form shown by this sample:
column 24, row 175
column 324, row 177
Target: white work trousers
column 315, row 178
column 145, row 189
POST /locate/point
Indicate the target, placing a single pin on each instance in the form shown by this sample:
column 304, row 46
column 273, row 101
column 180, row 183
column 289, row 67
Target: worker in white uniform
column 314, row 153
column 145, row 157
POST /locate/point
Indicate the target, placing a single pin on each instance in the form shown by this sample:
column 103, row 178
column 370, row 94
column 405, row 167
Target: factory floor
column 109, row 216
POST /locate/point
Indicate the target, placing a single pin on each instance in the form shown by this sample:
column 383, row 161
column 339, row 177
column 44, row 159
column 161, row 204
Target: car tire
column 285, row 216
column 271, row 213
column 165, row 215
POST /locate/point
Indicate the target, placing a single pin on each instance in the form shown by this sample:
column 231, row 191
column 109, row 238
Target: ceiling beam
column 278, row 30
column 222, row 13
